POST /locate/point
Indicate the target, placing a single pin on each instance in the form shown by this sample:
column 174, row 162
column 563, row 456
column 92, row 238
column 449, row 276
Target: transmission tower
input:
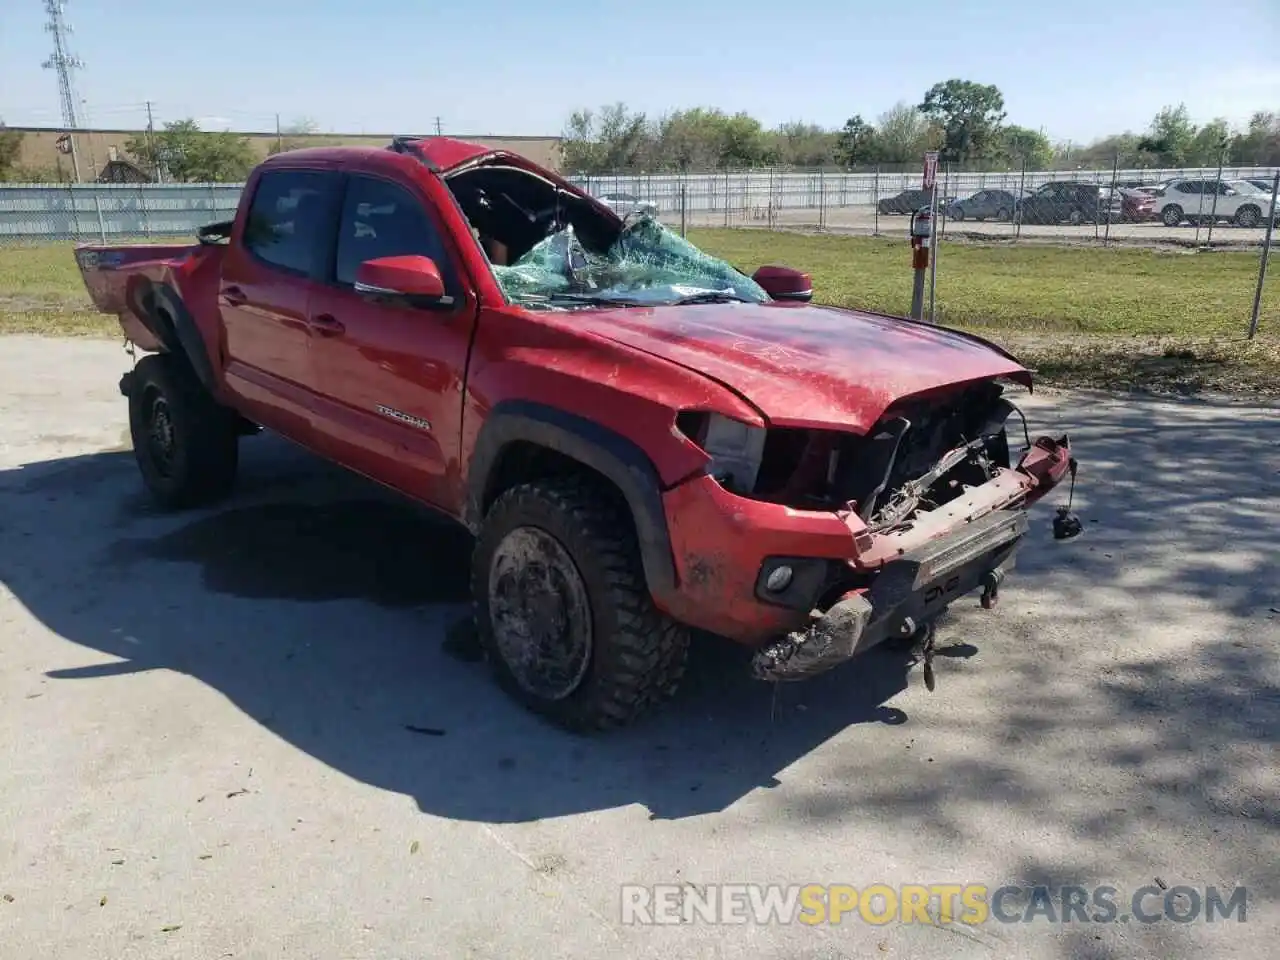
column 62, row 60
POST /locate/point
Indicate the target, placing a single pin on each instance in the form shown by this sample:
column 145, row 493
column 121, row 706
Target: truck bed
column 117, row 277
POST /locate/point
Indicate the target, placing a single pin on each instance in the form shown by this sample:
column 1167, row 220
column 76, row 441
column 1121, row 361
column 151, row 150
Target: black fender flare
column 599, row 448
column 153, row 303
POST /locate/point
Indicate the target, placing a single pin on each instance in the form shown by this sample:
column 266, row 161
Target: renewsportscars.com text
column 932, row 904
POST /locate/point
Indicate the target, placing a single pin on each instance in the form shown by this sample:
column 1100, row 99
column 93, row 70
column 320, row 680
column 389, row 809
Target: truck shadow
column 322, row 607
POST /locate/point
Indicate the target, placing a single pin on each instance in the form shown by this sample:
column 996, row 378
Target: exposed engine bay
column 921, row 455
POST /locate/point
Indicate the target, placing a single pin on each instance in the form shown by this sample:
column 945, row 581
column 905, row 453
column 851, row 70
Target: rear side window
column 381, row 219
column 288, row 219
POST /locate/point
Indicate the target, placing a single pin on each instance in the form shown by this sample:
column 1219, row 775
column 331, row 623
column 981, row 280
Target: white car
column 1194, row 201
column 626, row 203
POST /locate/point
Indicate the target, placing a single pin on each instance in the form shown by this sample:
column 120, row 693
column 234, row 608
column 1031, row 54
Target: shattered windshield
column 647, row 265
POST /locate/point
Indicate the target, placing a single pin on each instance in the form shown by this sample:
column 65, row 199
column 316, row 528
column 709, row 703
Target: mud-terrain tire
column 564, row 549
column 186, row 444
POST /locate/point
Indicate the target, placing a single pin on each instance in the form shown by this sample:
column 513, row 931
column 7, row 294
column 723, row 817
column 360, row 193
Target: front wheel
column 185, row 443
column 1171, row 215
column 957, row 213
column 1248, row 217
column 563, row 611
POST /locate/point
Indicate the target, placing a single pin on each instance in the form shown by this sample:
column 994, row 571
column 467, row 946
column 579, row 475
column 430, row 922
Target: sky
column 1078, row 69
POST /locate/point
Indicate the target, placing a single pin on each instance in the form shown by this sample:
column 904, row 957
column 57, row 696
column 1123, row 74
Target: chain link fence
column 1221, row 208
column 1227, row 207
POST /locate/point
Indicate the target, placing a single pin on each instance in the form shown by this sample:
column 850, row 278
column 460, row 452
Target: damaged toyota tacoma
column 644, row 440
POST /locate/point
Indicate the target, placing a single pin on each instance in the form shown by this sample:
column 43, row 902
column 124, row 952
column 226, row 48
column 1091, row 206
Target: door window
column 381, row 219
column 288, row 219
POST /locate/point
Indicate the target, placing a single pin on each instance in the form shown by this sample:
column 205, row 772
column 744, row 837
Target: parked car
column 835, row 480
column 1063, row 201
column 983, row 205
column 1127, row 205
column 624, row 204
column 1195, row 200
column 909, row 201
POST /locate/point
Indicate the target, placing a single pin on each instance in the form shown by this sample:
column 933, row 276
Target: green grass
column 1028, row 288
column 41, row 292
column 1117, row 317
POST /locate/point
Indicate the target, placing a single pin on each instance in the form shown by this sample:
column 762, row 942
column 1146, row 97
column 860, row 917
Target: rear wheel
column 563, row 611
column 1075, row 217
column 1002, row 213
column 185, row 443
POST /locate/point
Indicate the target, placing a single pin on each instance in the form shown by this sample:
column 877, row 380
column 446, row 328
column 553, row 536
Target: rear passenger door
column 269, row 275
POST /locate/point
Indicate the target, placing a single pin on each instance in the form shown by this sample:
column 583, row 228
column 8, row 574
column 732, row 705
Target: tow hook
column 923, row 648
column 991, row 581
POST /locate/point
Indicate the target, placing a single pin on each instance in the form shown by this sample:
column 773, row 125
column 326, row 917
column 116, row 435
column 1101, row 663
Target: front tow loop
column 923, row 648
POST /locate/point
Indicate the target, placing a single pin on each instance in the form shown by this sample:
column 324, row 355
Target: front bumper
column 906, row 595
column 723, row 544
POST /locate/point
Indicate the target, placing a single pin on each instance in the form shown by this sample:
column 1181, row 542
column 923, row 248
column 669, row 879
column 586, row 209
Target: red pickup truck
column 643, row 439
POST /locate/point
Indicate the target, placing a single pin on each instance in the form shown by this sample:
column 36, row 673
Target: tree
column 296, row 135
column 1171, row 137
column 10, row 151
column 615, row 139
column 799, row 144
column 189, row 155
column 1210, row 144
column 1019, row 145
column 580, row 147
column 969, row 114
column 903, row 134
column 856, row 142
column 1259, row 145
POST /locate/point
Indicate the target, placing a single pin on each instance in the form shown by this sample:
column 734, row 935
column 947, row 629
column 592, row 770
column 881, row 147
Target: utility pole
column 151, row 144
column 279, row 139
column 437, row 126
column 64, row 63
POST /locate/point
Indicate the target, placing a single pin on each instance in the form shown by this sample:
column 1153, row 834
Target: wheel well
column 524, row 462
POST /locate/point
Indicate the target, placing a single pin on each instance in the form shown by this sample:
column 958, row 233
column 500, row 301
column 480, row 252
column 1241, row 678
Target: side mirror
column 784, row 283
column 410, row 277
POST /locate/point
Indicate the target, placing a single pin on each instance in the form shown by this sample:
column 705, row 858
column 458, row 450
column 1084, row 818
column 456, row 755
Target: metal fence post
column 822, row 199
column 875, row 201
column 941, row 210
column 1266, row 255
column 1217, row 186
column 684, row 185
column 1115, row 194
column 770, row 204
column 726, row 197
column 1019, row 202
column 102, row 226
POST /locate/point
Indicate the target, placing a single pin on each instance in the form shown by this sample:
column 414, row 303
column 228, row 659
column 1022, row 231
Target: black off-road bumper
column 905, row 595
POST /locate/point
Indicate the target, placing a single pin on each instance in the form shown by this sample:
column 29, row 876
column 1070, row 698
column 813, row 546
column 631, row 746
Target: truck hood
column 802, row 365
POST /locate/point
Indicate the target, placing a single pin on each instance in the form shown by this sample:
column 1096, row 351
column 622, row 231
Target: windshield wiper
column 586, row 299
column 712, row 296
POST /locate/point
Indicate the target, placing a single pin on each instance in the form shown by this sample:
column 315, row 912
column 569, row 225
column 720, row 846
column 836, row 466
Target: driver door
column 390, row 376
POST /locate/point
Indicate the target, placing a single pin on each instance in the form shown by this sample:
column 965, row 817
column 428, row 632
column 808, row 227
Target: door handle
column 327, row 325
column 234, row 296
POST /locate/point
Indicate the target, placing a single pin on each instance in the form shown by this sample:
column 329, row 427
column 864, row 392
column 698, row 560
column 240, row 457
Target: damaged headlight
column 735, row 448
